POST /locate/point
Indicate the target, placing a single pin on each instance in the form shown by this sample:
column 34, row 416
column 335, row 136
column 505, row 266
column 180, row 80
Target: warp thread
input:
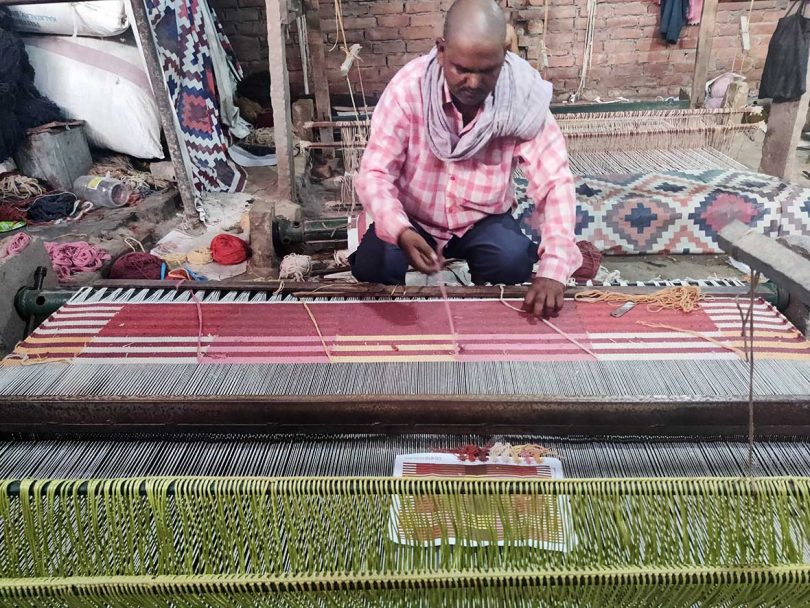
column 228, row 250
column 13, row 245
column 685, row 298
column 200, row 256
column 52, row 207
column 295, row 266
column 591, row 259
column 78, row 256
column 136, row 265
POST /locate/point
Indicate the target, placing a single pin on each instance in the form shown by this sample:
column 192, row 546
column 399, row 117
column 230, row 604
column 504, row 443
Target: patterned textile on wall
column 677, row 211
column 186, row 33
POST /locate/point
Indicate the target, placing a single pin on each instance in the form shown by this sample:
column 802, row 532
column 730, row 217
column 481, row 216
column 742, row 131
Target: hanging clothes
column 673, row 18
column 695, row 12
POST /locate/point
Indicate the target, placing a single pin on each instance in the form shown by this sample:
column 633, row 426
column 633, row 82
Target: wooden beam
column 704, row 52
column 280, row 96
column 779, row 263
column 785, row 123
column 317, row 59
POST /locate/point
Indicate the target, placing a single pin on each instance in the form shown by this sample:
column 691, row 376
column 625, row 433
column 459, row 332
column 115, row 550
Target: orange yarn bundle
column 228, row 249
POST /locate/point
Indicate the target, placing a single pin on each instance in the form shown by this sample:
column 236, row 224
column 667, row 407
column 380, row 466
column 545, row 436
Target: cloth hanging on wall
column 695, row 12
column 191, row 46
column 784, row 77
column 673, row 18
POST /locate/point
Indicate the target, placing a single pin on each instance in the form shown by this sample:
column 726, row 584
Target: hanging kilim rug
column 184, row 39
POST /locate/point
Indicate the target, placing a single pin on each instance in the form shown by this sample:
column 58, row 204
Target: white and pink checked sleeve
column 380, row 168
column 545, row 162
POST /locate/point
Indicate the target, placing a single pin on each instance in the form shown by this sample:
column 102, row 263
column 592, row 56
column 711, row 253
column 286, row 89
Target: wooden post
column 785, row 123
column 277, row 19
column 704, row 52
column 317, row 57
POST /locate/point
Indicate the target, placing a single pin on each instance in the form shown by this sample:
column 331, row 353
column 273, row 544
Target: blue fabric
column 673, row 18
column 495, row 248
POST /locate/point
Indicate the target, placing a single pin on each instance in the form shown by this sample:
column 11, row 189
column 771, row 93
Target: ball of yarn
column 227, row 249
column 174, row 259
column 200, row 256
column 52, row 207
column 136, row 265
column 591, row 258
column 79, row 256
column 14, row 244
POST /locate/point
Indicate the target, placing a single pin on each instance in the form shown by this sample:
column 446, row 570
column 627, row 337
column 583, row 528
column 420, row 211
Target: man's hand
column 544, row 298
column 419, row 253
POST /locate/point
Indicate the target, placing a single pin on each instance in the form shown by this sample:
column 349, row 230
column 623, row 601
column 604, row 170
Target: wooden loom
column 172, row 492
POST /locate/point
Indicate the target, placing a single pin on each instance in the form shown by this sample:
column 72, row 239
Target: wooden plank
column 779, row 263
column 785, row 123
column 704, row 52
column 317, row 59
column 280, row 97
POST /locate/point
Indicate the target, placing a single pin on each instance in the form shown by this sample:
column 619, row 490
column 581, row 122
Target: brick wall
column 629, row 57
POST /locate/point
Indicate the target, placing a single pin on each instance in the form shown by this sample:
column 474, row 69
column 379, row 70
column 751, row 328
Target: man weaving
column 436, row 176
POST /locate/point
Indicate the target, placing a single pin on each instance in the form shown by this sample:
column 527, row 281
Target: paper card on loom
column 519, row 520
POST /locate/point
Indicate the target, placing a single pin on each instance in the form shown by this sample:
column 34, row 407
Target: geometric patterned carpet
column 676, row 211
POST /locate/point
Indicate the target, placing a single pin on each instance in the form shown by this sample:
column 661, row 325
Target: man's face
column 471, row 68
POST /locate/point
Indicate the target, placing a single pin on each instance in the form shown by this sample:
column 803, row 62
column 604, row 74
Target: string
column 754, row 280
column 551, row 325
column 448, row 312
column 697, row 334
column 318, row 329
column 685, row 298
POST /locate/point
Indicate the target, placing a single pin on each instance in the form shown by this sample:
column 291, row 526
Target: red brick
column 382, row 33
column 431, row 19
column 393, row 21
column 384, row 7
column 429, row 6
column 614, row 22
column 386, row 48
column 560, row 61
column 417, row 33
column 561, row 25
column 561, row 12
column 419, row 46
column 359, row 23
column 619, row 46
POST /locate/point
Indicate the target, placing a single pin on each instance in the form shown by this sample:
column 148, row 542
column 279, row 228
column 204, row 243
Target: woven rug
column 186, row 39
column 211, row 332
column 676, row 211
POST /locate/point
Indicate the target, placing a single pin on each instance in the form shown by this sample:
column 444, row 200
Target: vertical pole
column 167, row 114
column 280, row 97
column 704, row 52
column 317, row 55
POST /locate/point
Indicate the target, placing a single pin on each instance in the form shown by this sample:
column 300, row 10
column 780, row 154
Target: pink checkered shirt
column 400, row 178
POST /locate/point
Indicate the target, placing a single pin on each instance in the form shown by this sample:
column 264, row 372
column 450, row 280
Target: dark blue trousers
column 495, row 248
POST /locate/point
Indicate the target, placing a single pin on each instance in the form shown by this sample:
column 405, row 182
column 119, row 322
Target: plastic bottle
column 101, row 191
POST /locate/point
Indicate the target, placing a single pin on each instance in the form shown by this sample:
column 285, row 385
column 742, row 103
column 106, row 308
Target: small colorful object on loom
column 228, row 250
column 73, row 257
column 13, row 245
column 137, row 265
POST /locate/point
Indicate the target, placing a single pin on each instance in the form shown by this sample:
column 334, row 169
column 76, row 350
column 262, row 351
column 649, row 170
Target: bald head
column 475, row 20
column 472, row 50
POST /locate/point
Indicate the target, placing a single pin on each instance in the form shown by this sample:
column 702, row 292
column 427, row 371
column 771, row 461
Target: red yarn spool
column 591, row 259
column 136, row 265
column 227, row 249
